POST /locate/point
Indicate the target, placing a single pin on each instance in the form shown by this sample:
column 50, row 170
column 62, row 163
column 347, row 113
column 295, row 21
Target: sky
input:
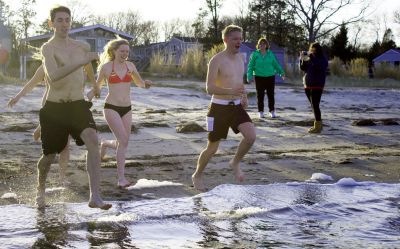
column 161, row 10
column 164, row 10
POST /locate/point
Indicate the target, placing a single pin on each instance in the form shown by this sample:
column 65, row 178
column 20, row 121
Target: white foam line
column 145, row 183
column 9, row 196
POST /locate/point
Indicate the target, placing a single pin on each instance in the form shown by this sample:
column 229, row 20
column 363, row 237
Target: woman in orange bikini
column 119, row 73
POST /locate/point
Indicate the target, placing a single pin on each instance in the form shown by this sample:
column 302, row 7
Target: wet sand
column 283, row 152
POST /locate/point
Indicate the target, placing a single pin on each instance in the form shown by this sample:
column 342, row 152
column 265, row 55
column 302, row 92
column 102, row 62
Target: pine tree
column 339, row 45
column 387, row 41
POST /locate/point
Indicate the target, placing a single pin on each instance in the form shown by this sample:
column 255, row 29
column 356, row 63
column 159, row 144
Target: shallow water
column 293, row 215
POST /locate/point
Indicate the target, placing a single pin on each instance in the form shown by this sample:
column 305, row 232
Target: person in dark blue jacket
column 314, row 64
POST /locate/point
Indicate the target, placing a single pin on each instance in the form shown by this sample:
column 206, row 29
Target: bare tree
column 43, row 27
column 149, row 33
column 177, row 27
column 243, row 19
column 81, row 14
column 357, row 30
column 396, row 16
column 131, row 23
column 115, row 20
column 213, row 6
column 317, row 16
column 199, row 26
column 25, row 13
column 378, row 25
column 4, row 12
column 171, row 28
column 187, row 28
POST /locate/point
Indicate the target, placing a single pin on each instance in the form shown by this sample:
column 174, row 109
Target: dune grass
column 8, row 80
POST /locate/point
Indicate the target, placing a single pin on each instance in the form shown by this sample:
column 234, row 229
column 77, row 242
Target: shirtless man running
column 225, row 83
column 65, row 111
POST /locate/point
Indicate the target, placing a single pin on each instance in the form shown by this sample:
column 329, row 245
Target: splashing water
column 346, row 214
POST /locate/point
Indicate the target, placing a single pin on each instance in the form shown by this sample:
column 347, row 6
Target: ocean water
column 345, row 214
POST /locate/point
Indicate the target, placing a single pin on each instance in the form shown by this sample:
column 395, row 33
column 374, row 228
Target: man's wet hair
column 58, row 8
column 229, row 29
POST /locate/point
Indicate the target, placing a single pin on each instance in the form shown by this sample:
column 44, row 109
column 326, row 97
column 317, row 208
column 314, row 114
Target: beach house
column 171, row 51
column 95, row 35
column 391, row 56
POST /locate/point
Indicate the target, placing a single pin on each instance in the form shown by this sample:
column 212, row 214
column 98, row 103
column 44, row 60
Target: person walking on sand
column 65, row 111
column 119, row 74
column 227, row 109
column 37, row 78
column 263, row 66
column 314, row 64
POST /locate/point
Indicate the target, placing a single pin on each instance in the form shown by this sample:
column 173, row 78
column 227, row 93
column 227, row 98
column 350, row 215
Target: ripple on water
column 342, row 215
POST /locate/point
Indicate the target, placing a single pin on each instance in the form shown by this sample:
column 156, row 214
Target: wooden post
column 20, row 68
column 24, row 67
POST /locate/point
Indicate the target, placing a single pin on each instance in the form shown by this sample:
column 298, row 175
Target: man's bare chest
column 67, row 56
column 231, row 69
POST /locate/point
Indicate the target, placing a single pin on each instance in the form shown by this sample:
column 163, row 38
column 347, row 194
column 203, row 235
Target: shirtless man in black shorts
column 225, row 83
column 65, row 111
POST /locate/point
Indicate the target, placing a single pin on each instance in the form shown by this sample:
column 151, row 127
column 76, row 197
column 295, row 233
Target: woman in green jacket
column 263, row 65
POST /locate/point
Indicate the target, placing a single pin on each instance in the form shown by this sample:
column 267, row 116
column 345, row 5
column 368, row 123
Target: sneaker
column 261, row 114
column 272, row 114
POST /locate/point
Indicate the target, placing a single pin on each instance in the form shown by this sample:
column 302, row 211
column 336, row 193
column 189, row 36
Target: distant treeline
column 290, row 24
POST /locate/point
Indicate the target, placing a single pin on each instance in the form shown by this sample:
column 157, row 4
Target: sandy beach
column 163, row 158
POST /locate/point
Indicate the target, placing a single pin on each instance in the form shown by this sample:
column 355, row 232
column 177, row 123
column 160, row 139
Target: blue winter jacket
column 315, row 71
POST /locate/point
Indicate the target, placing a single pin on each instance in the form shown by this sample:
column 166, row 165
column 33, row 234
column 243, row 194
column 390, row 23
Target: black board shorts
column 59, row 120
column 222, row 117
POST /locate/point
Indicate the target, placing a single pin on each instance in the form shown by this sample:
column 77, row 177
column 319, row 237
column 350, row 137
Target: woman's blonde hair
column 262, row 40
column 109, row 51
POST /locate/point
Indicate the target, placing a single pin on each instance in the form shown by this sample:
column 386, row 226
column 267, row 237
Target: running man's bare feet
column 123, row 183
column 100, row 204
column 36, row 133
column 239, row 176
column 198, row 183
column 40, row 200
column 63, row 180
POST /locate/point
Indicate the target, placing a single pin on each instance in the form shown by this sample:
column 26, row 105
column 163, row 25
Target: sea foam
column 9, row 196
column 321, row 177
column 145, row 183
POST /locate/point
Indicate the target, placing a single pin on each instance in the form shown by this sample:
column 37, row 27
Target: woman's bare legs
column 121, row 128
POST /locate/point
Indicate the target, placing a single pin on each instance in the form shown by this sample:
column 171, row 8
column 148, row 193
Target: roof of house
column 249, row 45
column 165, row 43
column 390, row 56
column 77, row 30
column 186, row 39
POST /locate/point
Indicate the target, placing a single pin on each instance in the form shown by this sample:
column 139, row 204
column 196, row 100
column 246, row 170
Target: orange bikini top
column 114, row 78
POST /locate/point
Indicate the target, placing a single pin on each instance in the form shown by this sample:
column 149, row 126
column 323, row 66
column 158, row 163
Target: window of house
column 92, row 43
column 100, row 44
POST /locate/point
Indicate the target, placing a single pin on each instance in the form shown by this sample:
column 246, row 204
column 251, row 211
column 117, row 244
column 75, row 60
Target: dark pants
column 314, row 97
column 265, row 84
